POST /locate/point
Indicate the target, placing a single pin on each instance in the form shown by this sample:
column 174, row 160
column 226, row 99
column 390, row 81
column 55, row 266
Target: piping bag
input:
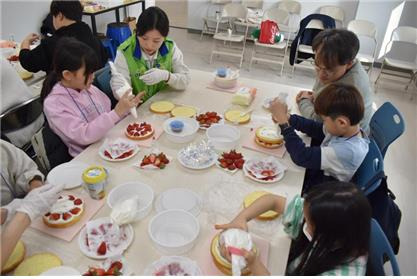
column 120, row 92
column 235, row 240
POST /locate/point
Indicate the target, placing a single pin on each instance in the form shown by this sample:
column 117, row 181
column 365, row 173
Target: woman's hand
column 128, row 101
column 304, row 95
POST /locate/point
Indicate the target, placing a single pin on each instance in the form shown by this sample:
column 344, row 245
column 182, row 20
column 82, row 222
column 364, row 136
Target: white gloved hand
column 39, row 200
column 11, row 209
column 154, row 76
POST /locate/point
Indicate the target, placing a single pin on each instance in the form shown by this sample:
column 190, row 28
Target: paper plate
column 104, row 157
column 279, row 176
column 61, row 271
column 85, row 250
column 68, row 174
column 183, row 161
column 179, row 198
column 161, row 107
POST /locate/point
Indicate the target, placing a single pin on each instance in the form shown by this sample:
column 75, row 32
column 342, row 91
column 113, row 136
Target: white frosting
column 62, row 206
column 125, row 211
column 269, row 133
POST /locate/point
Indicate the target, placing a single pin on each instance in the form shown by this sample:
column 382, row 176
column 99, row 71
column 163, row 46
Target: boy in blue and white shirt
column 343, row 144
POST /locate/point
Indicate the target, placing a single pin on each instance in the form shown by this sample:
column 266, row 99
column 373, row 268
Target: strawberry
column 231, row 167
column 71, row 197
column 223, row 164
column 146, row 161
column 75, row 210
column 161, row 166
column 113, row 271
column 239, row 165
column 99, row 272
column 78, row 202
column 152, row 158
column 47, row 214
column 240, row 161
column 66, row 216
column 229, row 161
column 117, row 264
column 55, row 216
column 102, row 249
column 157, row 162
column 107, row 154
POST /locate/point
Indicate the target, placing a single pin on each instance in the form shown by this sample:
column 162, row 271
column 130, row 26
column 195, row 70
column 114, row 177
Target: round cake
column 25, row 75
column 184, row 112
column 220, row 260
column 161, row 107
column 37, row 264
column 15, row 258
column 66, row 211
column 268, row 137
column 252, row 197
column 236, row 116
column 139, row 131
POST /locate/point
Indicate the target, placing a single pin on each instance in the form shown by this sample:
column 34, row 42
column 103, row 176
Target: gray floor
column 400, row 160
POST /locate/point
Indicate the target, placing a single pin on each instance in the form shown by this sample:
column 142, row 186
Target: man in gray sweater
column 335, row 51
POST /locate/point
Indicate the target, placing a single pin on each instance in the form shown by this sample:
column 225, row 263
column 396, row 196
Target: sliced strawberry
column 136, row 134
column 54, row 216
column 47, row 214
column 152, row 158
column 102, row 249
column 78, row 202
column 229, row 161
column 146, row 161
column 239, row 164
column 223, row 164
column 231, row 167
column 75, row 210
column 107, row 154
column 99, row 272
column 117, row 265
column 66, row 216
column 71, row 197
column 157, row 162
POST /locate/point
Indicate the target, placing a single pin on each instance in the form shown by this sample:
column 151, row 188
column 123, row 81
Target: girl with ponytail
column 77, row 111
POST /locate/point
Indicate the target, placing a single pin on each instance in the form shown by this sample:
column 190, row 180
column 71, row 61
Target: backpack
column 385, row 210
column 268, row 30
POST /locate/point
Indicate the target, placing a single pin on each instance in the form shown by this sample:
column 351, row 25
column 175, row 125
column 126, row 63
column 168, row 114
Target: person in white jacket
column 19, row 174
column 148, row 60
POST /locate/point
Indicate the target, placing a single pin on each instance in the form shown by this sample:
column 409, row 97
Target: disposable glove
column 11, row 208
column 154, row 76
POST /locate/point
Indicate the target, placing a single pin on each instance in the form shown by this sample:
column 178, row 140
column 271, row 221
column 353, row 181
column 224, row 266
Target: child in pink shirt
column 78, row 112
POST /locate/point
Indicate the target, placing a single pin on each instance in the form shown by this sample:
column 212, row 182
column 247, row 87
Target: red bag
column 268, row 30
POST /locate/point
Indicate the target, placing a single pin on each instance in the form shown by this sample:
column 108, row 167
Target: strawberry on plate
column 231, row 161
column 208, row 118
column 157, row 160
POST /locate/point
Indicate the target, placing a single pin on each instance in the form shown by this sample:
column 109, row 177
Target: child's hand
column 237, row 223
column 279, row 111
column 127, row 102
column 249, row 256
column 304, row 95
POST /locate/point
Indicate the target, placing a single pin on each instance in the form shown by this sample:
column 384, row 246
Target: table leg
column 117, row 15
column 93, row 25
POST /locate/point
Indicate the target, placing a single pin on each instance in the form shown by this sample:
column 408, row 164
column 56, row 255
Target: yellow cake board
column 15, row 258
column 252, row 197
column 183, row 112
column 37, row 264
column 235, row 116
column 162, row 106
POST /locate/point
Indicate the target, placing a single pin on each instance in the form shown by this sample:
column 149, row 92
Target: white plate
column 85, row 250
column 279, row 176
column 179, row 198
column 68, row 174
column 61, row 271
column 104, row 157
column 225, row 169
column 206, row 165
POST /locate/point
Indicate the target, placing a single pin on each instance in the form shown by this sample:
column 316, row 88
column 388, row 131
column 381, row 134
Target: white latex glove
column 39, row 200
column 154, row 75
column 118, row 81
column 11, row 209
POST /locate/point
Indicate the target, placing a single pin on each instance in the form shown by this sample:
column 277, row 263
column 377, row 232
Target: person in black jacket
column 66, row 18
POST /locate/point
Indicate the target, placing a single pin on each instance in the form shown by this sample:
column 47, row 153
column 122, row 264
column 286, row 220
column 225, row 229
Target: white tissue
column 121, row 91
column 239, row 239
column 125, row 211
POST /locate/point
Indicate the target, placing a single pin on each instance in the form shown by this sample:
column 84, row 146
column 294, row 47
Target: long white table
column 141, row 252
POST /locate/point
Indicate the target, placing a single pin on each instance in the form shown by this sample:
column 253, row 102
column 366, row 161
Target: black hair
column 335, row 47
column 341, row 215
column 71, row 55
column 340, row 100
column 150, row 19
column 70, row 9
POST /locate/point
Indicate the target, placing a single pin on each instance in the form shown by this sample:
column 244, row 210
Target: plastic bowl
column 188, row 132
column 174, row 231
column 225, row 82
column 128, row 190
column 223, row 136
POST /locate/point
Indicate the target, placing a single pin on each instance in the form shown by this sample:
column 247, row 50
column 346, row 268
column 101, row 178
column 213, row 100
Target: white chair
column 335, row 12
column 231, row 11
column 401, row 35
column 255, row 4
column 294, row 9
column 277, row 50
column 364, row 28
column 213, row 15
column 313, row 24
column 253, row 18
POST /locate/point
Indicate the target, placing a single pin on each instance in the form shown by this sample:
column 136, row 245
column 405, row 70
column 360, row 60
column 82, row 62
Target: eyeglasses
column 320, row 69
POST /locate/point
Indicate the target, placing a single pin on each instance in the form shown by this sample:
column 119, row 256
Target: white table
column 141, row 252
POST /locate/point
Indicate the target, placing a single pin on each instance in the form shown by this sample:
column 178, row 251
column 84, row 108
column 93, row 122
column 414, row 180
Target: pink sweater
column 78, row 119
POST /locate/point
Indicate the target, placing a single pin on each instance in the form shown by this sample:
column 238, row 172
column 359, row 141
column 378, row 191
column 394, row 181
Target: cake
column 25, row 75
column 176, row 126
column 237, row 116
column 66, row 211
column 268, row 137
column 252, row 197
column 139, row 131
column 37, row 264
column 183, row 111
column 15, row 258
column 161, row 107
column 223, row 264
column 244, row 96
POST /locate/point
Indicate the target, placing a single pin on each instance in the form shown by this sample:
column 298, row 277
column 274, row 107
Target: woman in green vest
column 148, row 60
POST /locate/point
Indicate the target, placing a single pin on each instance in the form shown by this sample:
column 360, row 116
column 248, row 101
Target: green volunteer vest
column 137, row 65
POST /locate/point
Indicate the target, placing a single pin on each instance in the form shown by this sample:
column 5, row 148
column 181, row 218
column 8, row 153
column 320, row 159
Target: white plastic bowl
column 223, row 136
column 128, row 190
column 227, row 82
column 174, row 231
column 188, row 133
